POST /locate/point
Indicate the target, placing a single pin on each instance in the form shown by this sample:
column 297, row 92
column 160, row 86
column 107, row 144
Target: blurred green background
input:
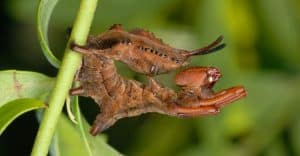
column 263, row 38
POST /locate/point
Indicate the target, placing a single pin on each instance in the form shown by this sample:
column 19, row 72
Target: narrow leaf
column 13, row 109
column 45, row 8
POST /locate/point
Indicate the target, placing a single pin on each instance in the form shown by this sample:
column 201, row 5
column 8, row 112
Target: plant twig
column 64, row 80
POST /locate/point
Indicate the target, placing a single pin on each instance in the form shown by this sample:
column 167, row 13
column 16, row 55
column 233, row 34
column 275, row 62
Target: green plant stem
column 70, row 64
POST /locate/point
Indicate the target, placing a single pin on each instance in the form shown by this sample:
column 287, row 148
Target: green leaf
column 68, row 141
column 13, row 109
column 295, row 136
column 23, row 84
column 74, row 140
column 94, row 145
column 45, row 8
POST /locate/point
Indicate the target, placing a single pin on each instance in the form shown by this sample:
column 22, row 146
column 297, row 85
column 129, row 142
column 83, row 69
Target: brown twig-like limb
column 214, row 46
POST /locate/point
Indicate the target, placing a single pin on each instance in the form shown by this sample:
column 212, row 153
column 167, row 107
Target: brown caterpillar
column 142, row 51
column 118, row 97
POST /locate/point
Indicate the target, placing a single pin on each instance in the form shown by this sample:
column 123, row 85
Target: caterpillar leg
column 76, row 91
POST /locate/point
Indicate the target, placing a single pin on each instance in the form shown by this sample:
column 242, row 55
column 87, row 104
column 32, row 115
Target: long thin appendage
column 209, row 106
column 80, row 49
column 76, row 91
column 180, row 111
column 87, row 51
column 214, row 46
column 239, row 94
column 217, row 48
column 222, row 98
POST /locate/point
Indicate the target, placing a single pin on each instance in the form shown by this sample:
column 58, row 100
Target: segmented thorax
column 98, row 77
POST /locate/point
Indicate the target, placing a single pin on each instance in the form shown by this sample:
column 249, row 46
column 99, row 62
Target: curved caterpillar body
column 142, row 51
column 118, row 97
